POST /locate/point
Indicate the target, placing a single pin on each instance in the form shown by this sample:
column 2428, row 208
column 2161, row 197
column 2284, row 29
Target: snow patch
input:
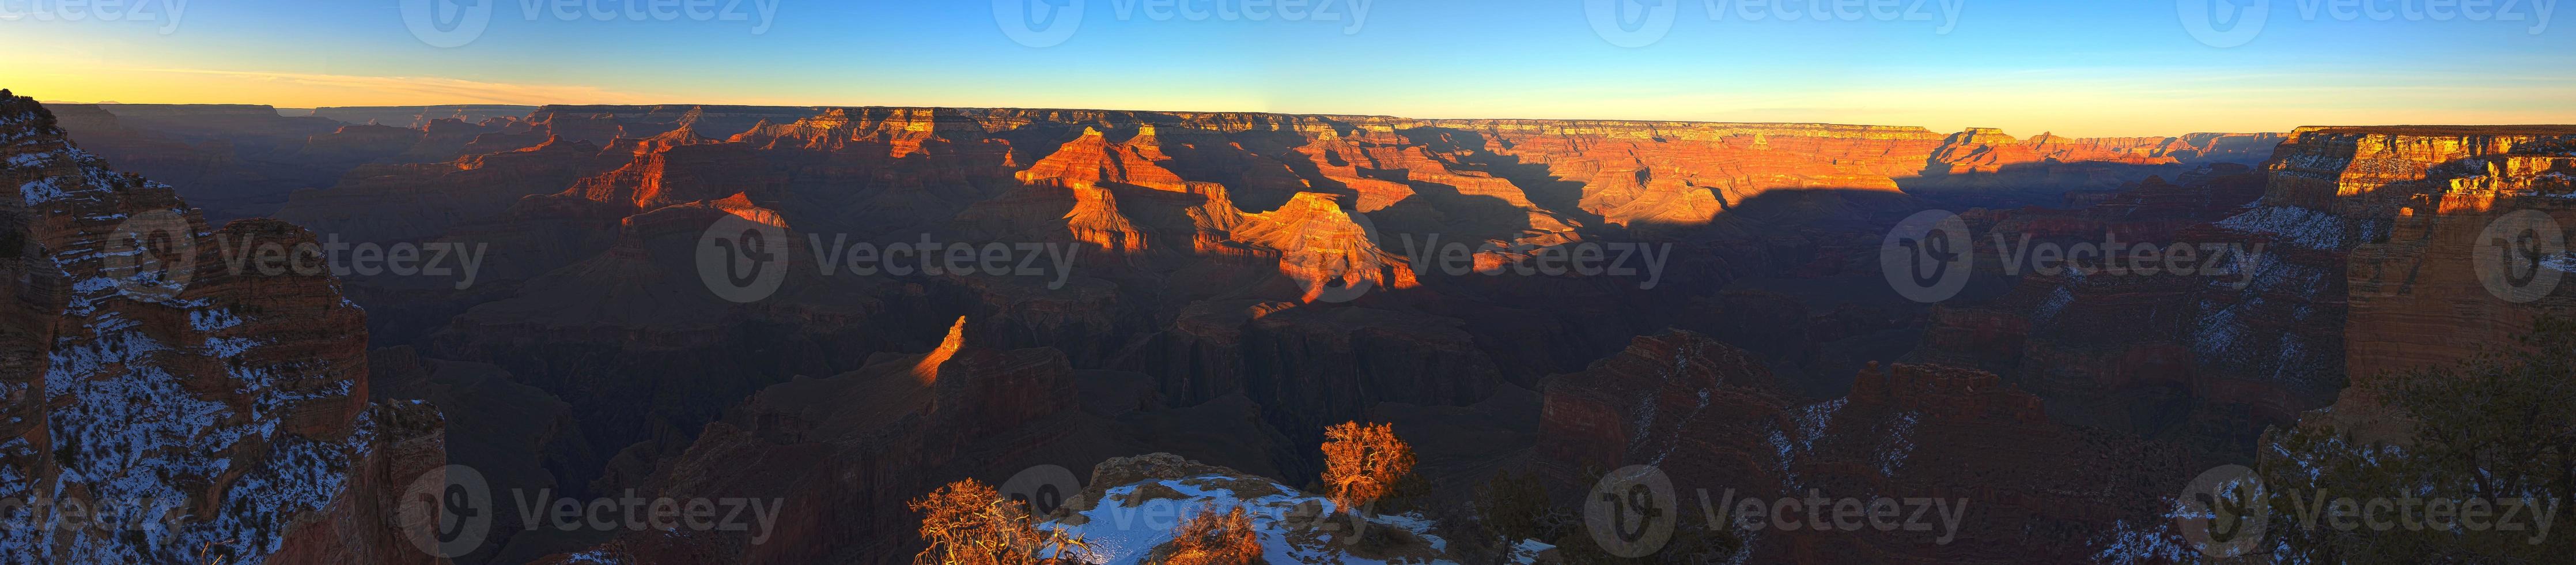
column 1125, row 535
column 2297, row 226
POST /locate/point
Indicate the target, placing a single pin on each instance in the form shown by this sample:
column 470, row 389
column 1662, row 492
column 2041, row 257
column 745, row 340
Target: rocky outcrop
column 2370, row 264
column 224, row 405
column 1291, row 526
column 2418, row 297
column 844, row 453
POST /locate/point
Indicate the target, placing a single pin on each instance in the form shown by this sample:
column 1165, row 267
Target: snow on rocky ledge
column 1125, row 524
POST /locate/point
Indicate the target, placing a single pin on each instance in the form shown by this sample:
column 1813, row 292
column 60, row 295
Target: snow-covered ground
column 1123, row 531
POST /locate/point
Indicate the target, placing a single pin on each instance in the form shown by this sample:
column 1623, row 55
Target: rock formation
column 1239, row 281
column 226, row 409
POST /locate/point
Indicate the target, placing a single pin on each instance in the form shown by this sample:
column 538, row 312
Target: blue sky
column 2080, row 67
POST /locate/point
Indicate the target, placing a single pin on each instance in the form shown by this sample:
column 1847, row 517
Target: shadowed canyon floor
column 1226, row 286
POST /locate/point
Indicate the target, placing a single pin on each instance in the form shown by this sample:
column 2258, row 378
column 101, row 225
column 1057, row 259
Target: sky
column 2072, row 67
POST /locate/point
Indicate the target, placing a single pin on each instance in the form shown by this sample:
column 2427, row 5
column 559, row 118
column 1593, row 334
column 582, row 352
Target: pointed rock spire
column 928, row 369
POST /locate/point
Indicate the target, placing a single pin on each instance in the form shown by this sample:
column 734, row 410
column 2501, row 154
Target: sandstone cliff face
column 229, row 406
column 2417, row 297
column 2371, row 264
column 2438, row 226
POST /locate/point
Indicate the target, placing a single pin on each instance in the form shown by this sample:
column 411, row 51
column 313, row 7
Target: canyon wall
column 2418, row 297
column 1208, row 308
column 222, row 412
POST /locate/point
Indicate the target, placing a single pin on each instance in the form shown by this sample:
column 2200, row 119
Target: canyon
column 1243, row 281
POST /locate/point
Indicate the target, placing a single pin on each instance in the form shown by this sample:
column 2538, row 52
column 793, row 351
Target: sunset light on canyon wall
column 1309, row 282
